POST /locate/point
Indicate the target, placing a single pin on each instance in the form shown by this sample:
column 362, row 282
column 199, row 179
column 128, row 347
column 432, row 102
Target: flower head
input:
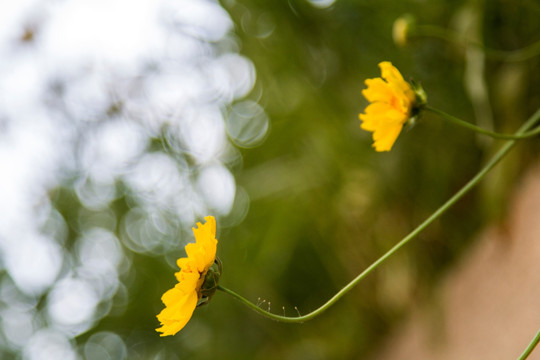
column 392, row 100
column 402, row 28
column 197, row 279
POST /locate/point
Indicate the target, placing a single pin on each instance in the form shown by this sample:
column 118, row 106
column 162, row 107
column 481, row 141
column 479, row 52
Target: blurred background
column 122, row 123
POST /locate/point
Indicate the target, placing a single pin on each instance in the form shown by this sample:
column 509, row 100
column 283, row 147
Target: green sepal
column 210, row 283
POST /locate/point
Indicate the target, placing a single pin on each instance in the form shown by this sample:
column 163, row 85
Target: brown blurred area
column 488, row 305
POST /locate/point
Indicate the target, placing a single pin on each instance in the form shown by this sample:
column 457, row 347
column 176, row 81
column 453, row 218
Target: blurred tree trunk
column 488, row 307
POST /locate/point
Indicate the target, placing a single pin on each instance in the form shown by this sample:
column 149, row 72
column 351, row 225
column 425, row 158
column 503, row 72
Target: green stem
column 480, row 130
column 302, row 318
column 531, row 347
column 450, row 36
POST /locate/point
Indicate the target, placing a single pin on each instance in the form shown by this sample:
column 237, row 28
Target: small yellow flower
column 402, row 28
column 392, row 100
column 182, row 299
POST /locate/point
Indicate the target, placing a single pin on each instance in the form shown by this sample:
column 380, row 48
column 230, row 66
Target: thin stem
column 531, row 347
column 480, row 130
column 450, row 36
column 299, row 319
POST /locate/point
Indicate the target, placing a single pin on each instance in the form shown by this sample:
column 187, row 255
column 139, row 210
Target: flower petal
column 385, row 137
column 186, row 264
column 389, row 72
column 381, row 114
column 377, row 90
column 187, row 280
column 204, row 250
column 395, row 80
column 175, row 316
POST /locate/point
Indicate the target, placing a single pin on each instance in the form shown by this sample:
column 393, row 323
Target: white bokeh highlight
column 218, row 187
column 49, row 344
column 33, row 263
column 72, row 302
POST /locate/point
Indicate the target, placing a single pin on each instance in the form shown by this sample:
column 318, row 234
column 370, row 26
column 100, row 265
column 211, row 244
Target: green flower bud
column 402, row 28
column 210, row 283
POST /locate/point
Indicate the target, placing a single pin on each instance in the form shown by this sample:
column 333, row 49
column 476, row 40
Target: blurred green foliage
column 323, row 204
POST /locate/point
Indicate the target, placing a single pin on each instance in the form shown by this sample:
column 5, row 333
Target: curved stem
column 531, row 347
column 268, row 314
column 480, row 130
column 450, row 36
column 302, row 318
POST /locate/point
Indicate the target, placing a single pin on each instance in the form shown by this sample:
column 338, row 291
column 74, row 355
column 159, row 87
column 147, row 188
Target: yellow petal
column 385, row 137
column 204, row 251
column 186, row 264
column 377, row 90
column 389, row 72
column 369, row 123
column 375, row 113
column 211, row 225
column 197, row 255
column 381, row 114
column 174, row 317
column 187, row 280
column 395, row 80
column 172, row 296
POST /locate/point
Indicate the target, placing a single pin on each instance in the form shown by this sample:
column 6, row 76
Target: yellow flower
column 182, row 299
column 392, row 100
column 402, row 29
